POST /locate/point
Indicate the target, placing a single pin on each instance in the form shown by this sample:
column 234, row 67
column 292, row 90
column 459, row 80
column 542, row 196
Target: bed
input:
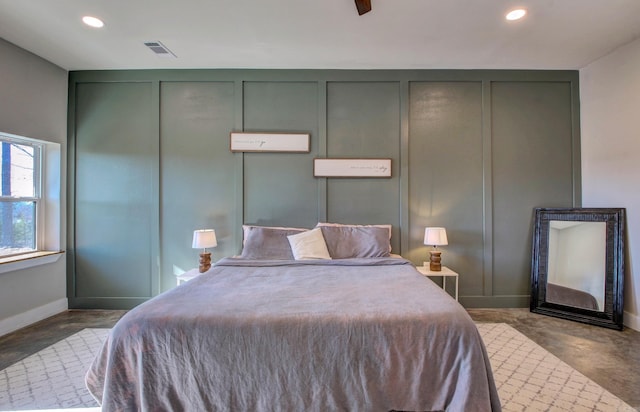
column 571, row 297
column 357, row 333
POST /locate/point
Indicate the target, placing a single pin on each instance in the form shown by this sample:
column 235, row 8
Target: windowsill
column 29, row 260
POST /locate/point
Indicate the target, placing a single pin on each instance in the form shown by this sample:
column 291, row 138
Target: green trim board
column 106, row 302
column 487, row 190
column 452, row 136
column 500, row 301
column 292, row 75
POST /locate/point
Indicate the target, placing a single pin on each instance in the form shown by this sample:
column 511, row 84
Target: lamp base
column 434, row 261
column 205, row 262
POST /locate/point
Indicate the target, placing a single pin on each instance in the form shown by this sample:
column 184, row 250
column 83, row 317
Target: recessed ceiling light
column 516, row 14
column 92, row 21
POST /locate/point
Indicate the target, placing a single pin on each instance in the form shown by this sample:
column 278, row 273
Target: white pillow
column 309, row 245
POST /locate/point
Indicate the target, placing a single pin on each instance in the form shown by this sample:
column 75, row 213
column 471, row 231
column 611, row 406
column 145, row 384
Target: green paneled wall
column 446, row 174
column 115, row 218
column 532, row 165
column 363, row 120
column 196, row 169
column 474, row 151
column 279, row 188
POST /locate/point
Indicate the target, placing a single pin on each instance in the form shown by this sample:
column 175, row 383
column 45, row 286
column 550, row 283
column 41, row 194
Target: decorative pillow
column 246, row 228
column 345, row 242
column 388, row 227
column 261, row 242
column 309, row 245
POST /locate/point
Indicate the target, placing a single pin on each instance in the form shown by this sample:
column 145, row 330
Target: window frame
column 39, row 178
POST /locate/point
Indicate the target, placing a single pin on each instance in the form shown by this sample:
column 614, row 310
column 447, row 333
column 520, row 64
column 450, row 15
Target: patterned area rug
column 531, row 379
column 527, row 376
column 53, row 377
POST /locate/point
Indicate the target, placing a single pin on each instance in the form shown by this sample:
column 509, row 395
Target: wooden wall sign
column 352, row 167
column 269, row 142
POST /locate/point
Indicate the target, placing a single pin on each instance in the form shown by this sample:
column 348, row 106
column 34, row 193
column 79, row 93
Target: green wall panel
column 198, row 172
column 363, row 121
column 473, row 151
column 532, row 167
column 115, row 158
column 446, row 175
column 279, row 188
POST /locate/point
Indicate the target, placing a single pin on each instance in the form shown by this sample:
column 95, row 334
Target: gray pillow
column 268, row 243
column 345, row 242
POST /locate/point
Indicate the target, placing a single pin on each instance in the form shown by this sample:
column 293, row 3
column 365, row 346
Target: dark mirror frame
column 611, row 316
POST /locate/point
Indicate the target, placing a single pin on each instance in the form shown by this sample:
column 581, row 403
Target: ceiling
column 300, row 34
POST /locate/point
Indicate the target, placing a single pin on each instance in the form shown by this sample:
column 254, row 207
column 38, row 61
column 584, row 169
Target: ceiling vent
column 159, row 49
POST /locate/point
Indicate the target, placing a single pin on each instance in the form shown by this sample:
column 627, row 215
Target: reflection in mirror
column 577, row 264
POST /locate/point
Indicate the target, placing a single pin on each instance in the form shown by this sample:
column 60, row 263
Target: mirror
column 577, row 264
column 576, row 267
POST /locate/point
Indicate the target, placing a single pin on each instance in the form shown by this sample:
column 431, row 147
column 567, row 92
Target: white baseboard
column 631, row 321
column 34, row 315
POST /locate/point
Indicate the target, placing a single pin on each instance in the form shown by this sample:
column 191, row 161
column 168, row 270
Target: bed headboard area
column 473, row 151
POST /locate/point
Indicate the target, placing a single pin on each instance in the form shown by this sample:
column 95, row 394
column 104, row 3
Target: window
column 20, row 195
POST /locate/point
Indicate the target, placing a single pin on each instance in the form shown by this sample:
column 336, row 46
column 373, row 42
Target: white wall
column 33, row 103
column 610, row 123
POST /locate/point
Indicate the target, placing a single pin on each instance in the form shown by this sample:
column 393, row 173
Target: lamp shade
column 435, row 236
column 204, row 238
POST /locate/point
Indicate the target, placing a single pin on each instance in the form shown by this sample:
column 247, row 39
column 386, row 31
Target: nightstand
column 187, row 276
column 444, row 273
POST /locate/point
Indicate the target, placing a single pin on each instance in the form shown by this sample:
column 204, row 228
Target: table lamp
column 202, row 239
column 435, row 236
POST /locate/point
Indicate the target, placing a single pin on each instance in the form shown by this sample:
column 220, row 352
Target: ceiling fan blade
column 363, row 6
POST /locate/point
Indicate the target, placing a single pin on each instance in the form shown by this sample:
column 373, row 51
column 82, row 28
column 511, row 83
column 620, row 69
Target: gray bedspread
column 341, row 335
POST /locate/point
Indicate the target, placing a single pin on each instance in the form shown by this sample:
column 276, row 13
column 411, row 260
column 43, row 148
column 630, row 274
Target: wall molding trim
column 34, row 315
column 109, row 303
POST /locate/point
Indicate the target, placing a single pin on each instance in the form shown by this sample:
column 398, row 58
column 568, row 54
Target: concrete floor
column 608, row 357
